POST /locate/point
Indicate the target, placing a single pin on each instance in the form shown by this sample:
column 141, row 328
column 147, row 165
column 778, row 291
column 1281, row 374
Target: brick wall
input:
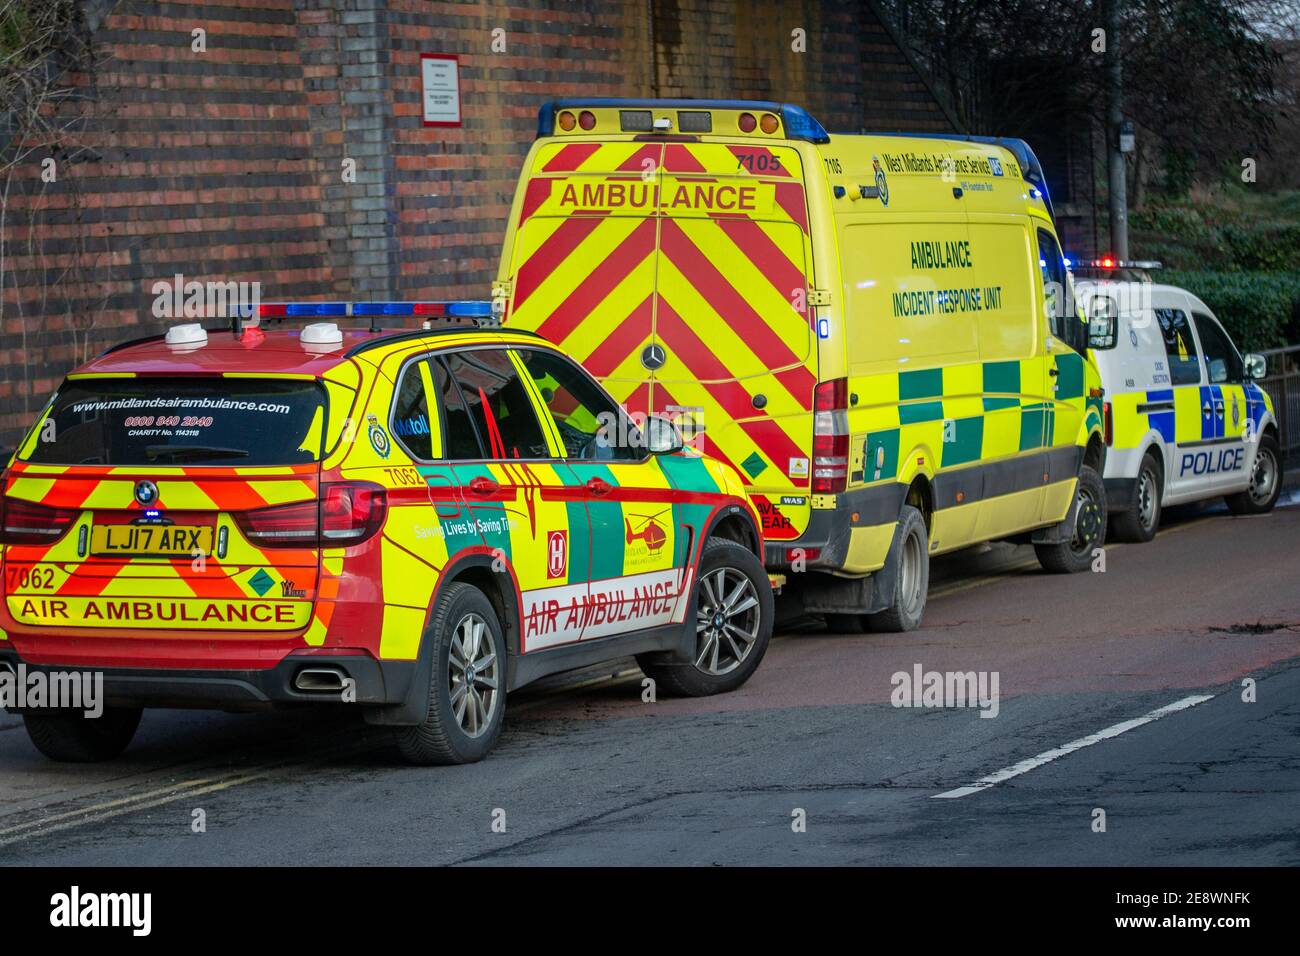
column 228, row 164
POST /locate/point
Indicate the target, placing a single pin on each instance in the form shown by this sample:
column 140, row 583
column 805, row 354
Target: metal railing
column 1283, row 385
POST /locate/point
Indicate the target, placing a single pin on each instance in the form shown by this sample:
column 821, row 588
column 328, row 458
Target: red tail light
column 351, row 512
column 23, row 522
column 347, row 513
column 830, row 471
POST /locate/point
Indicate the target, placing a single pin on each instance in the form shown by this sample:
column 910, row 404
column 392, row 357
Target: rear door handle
column 599, row 486
column 484, row 486
column 1053, row 371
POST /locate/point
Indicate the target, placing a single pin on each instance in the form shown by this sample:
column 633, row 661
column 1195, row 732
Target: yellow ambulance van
column 876, row 331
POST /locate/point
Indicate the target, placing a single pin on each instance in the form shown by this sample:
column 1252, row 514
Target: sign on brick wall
column 440, row 75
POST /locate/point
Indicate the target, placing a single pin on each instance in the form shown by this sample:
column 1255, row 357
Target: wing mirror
column 662, row 436
column 1102, row 330
column 1255, row 365
column 1103, row 322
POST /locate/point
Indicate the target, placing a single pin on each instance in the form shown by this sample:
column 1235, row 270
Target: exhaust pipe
column 319, row 680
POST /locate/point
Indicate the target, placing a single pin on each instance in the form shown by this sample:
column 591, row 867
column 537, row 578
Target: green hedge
column 1237, row 249
column 1260, row 310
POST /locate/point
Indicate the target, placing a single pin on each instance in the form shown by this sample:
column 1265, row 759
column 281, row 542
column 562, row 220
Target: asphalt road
column 587, row 773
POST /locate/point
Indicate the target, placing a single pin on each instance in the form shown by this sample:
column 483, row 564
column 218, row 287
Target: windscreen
column 196, row 421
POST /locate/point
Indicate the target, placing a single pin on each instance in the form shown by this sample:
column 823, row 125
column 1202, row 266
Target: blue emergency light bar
column 478, row 311
column 464, row 309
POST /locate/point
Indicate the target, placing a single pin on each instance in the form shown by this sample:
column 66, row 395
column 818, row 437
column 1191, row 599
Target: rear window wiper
column 192, row 452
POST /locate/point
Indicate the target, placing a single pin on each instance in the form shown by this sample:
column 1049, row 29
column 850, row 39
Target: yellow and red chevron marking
column 213, row 489
column 723, row 291
column 61, row 571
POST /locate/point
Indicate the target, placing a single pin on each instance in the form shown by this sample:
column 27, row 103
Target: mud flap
column 1062, row 532
column 866, row 595
column 414, row 708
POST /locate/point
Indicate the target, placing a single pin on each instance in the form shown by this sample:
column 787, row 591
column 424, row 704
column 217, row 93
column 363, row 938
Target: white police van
column 1185, row 418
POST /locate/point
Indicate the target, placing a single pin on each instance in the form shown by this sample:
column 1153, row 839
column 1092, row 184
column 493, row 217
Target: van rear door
column 679, row 274
column 732, row 316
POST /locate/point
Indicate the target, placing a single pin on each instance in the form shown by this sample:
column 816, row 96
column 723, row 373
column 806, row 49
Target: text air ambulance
column 1188, row 421
column 858, row 324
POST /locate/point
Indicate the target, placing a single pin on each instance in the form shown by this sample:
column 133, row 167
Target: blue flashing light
column 383, row 308
column 152, row 514
column 823, row 328
column 470, row 310
column 546, row 118
column 799, row 125
column 309, row 309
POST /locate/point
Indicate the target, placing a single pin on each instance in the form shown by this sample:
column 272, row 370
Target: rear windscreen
column 197, row 421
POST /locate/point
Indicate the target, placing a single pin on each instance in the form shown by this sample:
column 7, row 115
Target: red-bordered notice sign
column 440, row 81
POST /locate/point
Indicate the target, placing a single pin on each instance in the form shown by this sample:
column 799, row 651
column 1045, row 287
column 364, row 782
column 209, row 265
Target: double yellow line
column 107, row 809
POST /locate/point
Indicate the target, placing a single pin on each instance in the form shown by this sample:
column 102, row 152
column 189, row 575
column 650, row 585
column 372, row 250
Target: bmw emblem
column 653, row 357
column 146, row 492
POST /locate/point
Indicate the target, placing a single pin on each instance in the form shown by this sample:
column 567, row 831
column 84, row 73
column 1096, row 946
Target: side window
column 498, row 404
column 1221, row 358
column 1055, row 288
column 410, row 421
column 590, row 422
column 460, row 441
column 1180, row 346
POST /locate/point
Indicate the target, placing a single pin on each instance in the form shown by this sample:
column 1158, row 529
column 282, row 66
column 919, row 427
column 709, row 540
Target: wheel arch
column 917, row 478
column 500, row 587
column 920, row 495
column 735, row 523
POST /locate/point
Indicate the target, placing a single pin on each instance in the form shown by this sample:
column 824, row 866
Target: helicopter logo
column 648, row 530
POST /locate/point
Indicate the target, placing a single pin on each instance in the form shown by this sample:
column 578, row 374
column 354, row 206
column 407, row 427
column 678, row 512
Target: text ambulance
column 868, row 328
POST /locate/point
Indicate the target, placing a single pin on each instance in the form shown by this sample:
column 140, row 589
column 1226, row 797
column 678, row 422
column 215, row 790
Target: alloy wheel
column 728, row 620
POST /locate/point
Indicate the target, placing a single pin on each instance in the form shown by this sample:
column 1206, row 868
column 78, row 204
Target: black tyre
column 1089, row 534
column 733, row 618
column 1265, row 481
column 75, row 738
column 1139, row 521
column 912, row 577
column 467, row 693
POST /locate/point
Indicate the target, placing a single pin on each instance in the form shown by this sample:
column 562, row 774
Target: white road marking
column 1024, row 766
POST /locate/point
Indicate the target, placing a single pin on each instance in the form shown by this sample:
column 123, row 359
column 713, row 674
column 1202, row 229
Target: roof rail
column 1029, row 164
